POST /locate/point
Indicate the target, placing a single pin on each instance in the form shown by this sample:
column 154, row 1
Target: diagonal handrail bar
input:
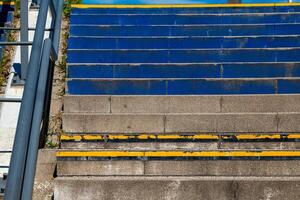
column 28, row 127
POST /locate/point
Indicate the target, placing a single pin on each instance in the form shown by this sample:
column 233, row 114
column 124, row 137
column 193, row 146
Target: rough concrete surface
column 195, row 146
column 180, row 168
column 182, row 104
column 176, row 188
column 44, row 176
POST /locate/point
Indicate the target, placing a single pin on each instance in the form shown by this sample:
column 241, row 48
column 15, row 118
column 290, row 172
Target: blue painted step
column 183, row 42
column 199, row 30
column 186, row 71
column 181, row 86
column 184, row 56
column 184, row 19
column 215, row 10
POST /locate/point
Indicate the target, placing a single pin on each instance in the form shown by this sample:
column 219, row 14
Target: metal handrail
column 10, row 100
column 35, row 105
column 15, row 43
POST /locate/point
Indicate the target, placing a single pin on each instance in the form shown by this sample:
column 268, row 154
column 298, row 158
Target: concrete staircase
column 181, row 103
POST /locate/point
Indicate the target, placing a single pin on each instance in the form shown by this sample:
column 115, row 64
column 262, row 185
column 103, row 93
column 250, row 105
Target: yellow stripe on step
column 178, row 154
column 208, row 136
column 184, row 5
column 7, row 3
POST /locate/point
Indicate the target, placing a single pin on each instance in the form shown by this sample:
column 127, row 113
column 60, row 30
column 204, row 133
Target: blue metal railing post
column 36, row 123
column 24, row 37
column 17, row 164
column 57, row 25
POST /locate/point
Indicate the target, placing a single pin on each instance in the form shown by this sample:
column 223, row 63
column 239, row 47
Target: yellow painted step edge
column 7, row 3
column 185, row 5
column 76, row 137
column 178, row 154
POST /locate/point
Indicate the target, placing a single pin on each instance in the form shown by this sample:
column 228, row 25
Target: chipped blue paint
column 182, row 43
column 193, row 30
column 179, row 86
column 156, row 52
column 185, row 71
column 183, row 19
column 184, row 56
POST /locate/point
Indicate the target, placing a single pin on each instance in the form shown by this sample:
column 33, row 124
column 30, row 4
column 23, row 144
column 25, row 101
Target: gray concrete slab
column 223, row 168
column 126, row 123
column 260, row 103
column 182, row 104
column 89, row 104
column 99, row 168
column 181, row 145
column 44, row 175
column 179, row 168
column 257, row 122
column 181, row 123
column 176, row 188
column 165, row 104
column 73, row 123
column 289, row 122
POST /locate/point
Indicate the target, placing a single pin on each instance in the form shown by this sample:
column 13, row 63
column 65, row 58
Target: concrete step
column 188, row 142
column 183, row 42
column 176, row 86
column 201, row 9
column 176, row 187
column 182, row 104
column 183, row 55
column 188, row 30
column 181, row 123
column 176, row 155
column 246, row 70
column 178, row 168
column 184, row 19
column 179, row 145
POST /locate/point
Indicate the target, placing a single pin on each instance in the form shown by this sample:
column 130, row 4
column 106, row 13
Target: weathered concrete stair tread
column 181, row 123
column 180, row 146
column 189, row 187
column 179, row 168
column 181, row 104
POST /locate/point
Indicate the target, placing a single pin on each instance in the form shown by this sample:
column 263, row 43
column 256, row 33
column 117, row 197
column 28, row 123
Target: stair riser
column 184, row 123
column 183, row 20
column 186, row 43
column 183, row 146
column 269, row 9
column 225, row 30
column 185, row 71
column 181, row 87
column 182, row 104
column 183, row 56
column 178, row 168
column 178, row 188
